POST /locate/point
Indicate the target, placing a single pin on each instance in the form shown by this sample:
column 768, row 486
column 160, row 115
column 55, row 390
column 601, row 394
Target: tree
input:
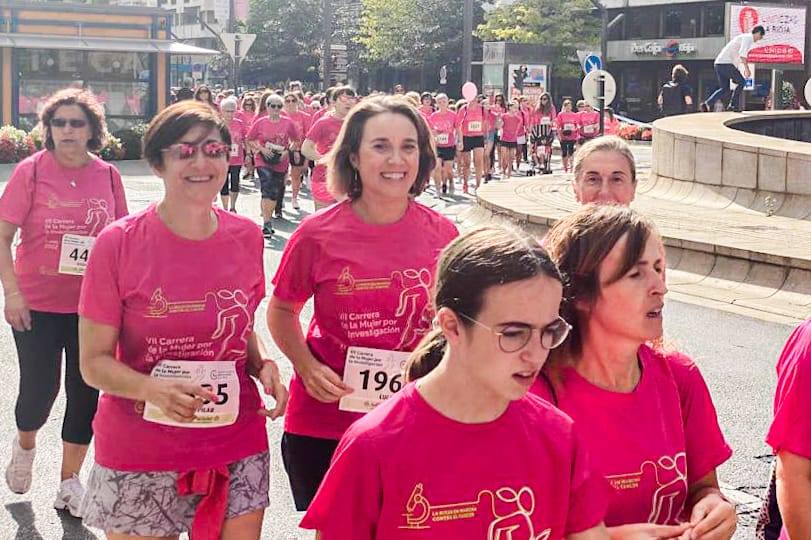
column 566, row 25
column 288, row 41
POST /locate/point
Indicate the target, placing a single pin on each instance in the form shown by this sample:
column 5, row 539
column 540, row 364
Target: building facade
column 121, row 53
column 654, row 35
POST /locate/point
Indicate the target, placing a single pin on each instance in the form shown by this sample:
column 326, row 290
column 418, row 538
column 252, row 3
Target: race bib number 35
column 74, row 254
column 219, row 377
column 374, row 374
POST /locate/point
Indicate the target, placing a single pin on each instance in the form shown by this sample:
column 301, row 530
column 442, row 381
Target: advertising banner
column 535, row 82
column 784, row 42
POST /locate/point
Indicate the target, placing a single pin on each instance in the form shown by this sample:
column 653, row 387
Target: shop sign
column 493, row 52
column 784, row 42
column 671, row 49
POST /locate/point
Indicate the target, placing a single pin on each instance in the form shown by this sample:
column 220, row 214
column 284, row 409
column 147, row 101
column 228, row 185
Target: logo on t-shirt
column 668, row 476
column 509, row 512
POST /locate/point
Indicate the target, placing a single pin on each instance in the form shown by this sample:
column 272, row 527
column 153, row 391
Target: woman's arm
column 16, row 308
column 321, row 382
column 794, row 493
column 712, row 516
column 261, row 367
column 100, row 369
column 595, row 533
column 309, row 151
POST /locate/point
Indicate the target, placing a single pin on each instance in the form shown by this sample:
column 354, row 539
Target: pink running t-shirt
column 247, row 117
column 149, row 284
column 301, row 119
column 323, row 134
column 406, row 471
column 426, row 111
column 512, row 128
column 46, row 201
column 471, row 121
column 652, row 443
column 371, row 286
column 589, row 124
column 280, row 133
column 568, row 123
column 238, row 131
column 444, row 126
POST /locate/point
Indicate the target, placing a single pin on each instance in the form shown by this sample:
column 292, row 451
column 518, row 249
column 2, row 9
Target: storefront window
column 643, row 23
column 714, row 20
column 681, row 22
column 120, row 81
column 673, row 22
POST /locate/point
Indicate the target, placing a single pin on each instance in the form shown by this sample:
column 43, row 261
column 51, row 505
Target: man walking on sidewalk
column 726, row 69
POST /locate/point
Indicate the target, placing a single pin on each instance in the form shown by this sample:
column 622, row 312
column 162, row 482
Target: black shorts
column 306, row 460
column 567, row 148
column 446, row 153
column 470, row 143
column 271, row 183
column 507, row 144
column 231, row 184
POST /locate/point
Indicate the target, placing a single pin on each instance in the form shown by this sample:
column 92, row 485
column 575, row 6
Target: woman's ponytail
column 426, row 356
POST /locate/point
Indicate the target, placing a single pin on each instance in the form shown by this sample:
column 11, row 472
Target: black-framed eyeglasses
column 75, row 123
column 211, row 149
column 516, row 336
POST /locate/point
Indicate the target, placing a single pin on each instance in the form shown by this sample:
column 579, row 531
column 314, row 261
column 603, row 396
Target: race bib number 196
column 218, row 376
column 74, row 254
column 374, row 374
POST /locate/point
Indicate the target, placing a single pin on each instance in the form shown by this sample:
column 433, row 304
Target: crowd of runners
column 482, row 385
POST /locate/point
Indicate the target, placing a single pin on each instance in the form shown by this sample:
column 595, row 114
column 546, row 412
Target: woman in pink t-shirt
column 568, row 124
column 368, row 264
column 59, row 200
column 247, row 113
column 180, row 440
column 512, row 126
column 238, row 131
column 298, row 163
column 589, row 123
column 648, row 416
column 470, row 120
column 443, row 125
column 465, row 452
column 790, row 433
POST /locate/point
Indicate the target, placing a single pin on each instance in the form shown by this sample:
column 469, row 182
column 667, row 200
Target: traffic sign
column 230, row 41
column 591, row 88
column 807, row 91
column 592, row 63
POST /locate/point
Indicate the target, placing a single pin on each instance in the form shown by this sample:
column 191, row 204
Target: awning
column 38, row 41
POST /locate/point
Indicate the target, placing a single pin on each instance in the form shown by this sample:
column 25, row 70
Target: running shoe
column 18, row 472
column 444, row 188
column 234, row 210
column 294, row 202
column 267, row 230
column 70, row 496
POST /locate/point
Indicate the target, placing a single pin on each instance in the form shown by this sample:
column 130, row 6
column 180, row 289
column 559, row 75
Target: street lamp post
column 467, row 39
column 326, row 28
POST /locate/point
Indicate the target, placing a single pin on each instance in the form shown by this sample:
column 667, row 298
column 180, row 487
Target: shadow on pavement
column 23, row 514
column 72, row 528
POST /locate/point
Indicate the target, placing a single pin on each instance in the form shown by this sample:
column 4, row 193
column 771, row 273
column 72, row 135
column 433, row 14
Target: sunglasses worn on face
column 211, row 149
column 277, row 106
column 75, row 123
column 515, row 336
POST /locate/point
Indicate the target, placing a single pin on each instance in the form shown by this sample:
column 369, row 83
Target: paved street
column 736, row 355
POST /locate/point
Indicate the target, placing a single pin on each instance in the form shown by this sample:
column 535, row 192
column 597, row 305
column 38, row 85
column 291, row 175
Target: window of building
column 617, row 31
column 672, row 22
column 680, row 21
column 211, row 17
column 191, row 15
column 642, row 23
column 714, row 20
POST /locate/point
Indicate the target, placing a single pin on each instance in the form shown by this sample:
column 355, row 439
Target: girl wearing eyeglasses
column 463, row 450
column 59, row 199
column 167, row 334
column 645, row 410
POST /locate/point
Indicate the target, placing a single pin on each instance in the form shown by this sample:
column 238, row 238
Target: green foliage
column 410, row 33
column 288, row 41
column 567, row 25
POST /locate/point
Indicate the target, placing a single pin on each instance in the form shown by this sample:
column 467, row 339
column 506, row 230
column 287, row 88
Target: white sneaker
column 18, row 472
column 70, row 496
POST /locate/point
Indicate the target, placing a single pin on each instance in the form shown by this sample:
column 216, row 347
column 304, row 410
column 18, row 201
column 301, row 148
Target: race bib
column 568, row 127
column 521, row 140
column 74, row 254
column 546, row 121
column 442, row 138
column 375, row 374
column 589, row 129
column 218, row 376
column 476, row 125
column 234, row 150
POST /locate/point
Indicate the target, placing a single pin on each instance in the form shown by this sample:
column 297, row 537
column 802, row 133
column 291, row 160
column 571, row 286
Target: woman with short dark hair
column 60, row 199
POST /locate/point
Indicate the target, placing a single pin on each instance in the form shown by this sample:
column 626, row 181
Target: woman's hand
column 17, row 313
column 322, row 382
column 178, row 400
column 272, row 383
column 649, row 531
column 713, row 518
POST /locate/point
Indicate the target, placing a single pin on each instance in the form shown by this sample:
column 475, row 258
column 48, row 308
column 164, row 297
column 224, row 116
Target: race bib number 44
column 74, row 254
column 219, row 377
column 374, row 374
column 442, row 138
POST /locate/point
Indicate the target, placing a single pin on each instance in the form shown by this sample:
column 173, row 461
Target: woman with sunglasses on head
column 646, row 412
column 59, row 200
column 174, row 351
column 463, row 451
column 367, row 263
column 293, row 110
